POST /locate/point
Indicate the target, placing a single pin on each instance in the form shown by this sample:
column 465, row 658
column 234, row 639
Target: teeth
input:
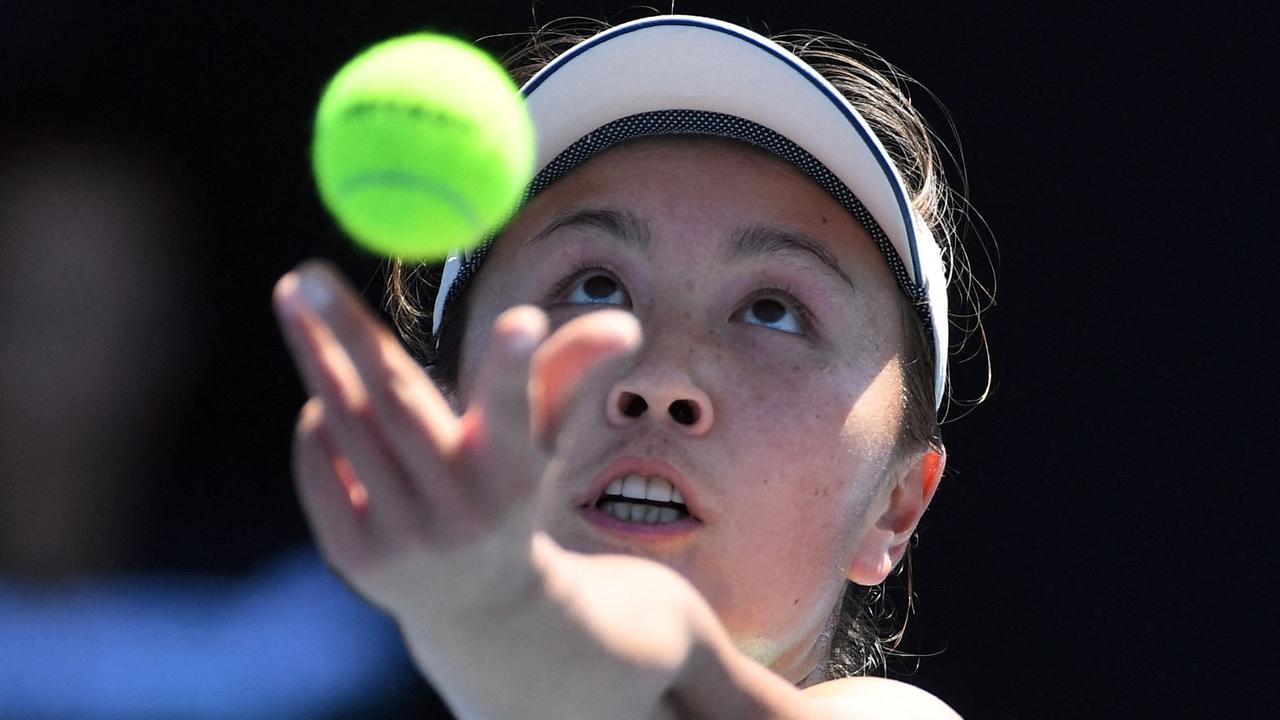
column 635, row 512
column 633, row 486
column 639, row 487
column 658, row 489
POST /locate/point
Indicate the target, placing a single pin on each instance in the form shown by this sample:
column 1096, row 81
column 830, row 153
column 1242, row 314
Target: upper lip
column 648, row 467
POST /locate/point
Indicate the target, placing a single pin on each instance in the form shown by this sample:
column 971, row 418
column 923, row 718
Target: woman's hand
column 430, row 516
column 425, row 513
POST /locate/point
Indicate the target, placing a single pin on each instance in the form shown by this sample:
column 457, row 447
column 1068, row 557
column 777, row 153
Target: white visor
column 679, row 74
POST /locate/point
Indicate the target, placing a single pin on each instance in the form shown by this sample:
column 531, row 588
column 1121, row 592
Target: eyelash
column 776, row 292
column 789, row 300
column 574, row 275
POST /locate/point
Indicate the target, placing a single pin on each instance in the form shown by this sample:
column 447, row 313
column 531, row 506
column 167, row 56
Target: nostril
column 684, row 412
column 632, row 405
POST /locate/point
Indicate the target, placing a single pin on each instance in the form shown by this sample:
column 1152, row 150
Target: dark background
column 1101, row 544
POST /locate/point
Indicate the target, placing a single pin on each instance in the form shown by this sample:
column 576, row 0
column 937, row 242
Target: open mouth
column 650, row 500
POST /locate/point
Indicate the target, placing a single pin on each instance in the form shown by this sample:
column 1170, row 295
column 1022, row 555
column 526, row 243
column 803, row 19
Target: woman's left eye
column 595, row 289
column 775, row 313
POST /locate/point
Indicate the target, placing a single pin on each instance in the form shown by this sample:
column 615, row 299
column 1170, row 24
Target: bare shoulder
column 868, row 698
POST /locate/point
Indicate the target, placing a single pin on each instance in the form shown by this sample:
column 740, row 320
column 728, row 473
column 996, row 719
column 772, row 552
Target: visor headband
column 685, row 122
column 685, row 75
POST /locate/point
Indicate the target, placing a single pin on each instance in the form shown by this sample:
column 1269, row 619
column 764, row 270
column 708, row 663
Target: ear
column 883, row 544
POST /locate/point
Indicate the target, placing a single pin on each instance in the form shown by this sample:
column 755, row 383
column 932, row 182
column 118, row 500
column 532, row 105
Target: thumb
column 569, row 356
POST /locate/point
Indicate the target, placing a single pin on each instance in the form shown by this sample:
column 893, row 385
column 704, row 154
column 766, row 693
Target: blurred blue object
column 291, row 641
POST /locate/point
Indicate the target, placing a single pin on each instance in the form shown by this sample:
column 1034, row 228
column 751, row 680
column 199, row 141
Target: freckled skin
column 800, row 445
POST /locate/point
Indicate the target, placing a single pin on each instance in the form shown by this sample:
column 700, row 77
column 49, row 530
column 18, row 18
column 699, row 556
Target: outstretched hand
column 424, row 512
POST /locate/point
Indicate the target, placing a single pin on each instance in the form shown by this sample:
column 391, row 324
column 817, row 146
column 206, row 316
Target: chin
column 762, row 650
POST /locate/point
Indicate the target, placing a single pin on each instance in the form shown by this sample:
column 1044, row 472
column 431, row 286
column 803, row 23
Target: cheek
column 490, row 294
column 872, row 425
column 475, row 341
column 812, row 457
column 822, row 411
column 812, row 445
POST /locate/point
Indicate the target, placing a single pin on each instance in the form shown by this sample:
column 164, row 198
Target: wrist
column 707, row 685
column 579, row 613
column 486, row 599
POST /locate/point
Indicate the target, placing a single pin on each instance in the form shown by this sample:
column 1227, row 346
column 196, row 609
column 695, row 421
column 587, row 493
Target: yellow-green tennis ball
column 422, row 145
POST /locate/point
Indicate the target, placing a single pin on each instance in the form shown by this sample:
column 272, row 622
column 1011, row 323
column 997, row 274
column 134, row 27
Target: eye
column 591, row 286
column 777, row 311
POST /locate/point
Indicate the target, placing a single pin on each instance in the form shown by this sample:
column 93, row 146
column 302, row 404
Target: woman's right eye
column 594, row 289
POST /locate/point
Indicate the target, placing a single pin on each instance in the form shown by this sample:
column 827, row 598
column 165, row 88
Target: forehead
column 701, row 184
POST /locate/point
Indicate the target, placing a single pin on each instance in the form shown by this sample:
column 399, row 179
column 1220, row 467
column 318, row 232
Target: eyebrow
column 747, row 241
column 758, row 240
column 618, row 224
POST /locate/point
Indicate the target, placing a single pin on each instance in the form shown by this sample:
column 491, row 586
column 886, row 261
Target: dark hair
column 879, row 92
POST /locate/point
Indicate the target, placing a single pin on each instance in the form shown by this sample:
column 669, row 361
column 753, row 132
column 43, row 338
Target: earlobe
column 883, row 544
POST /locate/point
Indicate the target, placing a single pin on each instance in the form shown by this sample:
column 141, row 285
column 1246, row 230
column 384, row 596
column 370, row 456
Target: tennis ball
column 422, row 145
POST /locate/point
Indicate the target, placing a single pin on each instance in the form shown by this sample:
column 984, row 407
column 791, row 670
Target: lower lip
column 654, row 531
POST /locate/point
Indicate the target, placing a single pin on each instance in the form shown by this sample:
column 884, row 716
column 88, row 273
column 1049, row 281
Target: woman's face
column 771, row 326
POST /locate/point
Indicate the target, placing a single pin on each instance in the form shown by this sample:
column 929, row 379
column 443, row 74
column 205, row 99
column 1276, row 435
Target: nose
column 668, row 397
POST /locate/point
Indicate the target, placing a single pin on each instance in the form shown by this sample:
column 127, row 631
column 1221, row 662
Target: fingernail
column 315, row 290
column 518, row 342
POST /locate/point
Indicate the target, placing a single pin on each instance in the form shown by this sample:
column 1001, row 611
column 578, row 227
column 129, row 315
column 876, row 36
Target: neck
column 803, row 663
column 820, row 653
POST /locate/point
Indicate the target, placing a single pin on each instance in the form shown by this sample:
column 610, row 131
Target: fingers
column 572, row 354
column 496, row 429
column 397, row 388
column 384, row 416
column 425, row 472
column 331, row 497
